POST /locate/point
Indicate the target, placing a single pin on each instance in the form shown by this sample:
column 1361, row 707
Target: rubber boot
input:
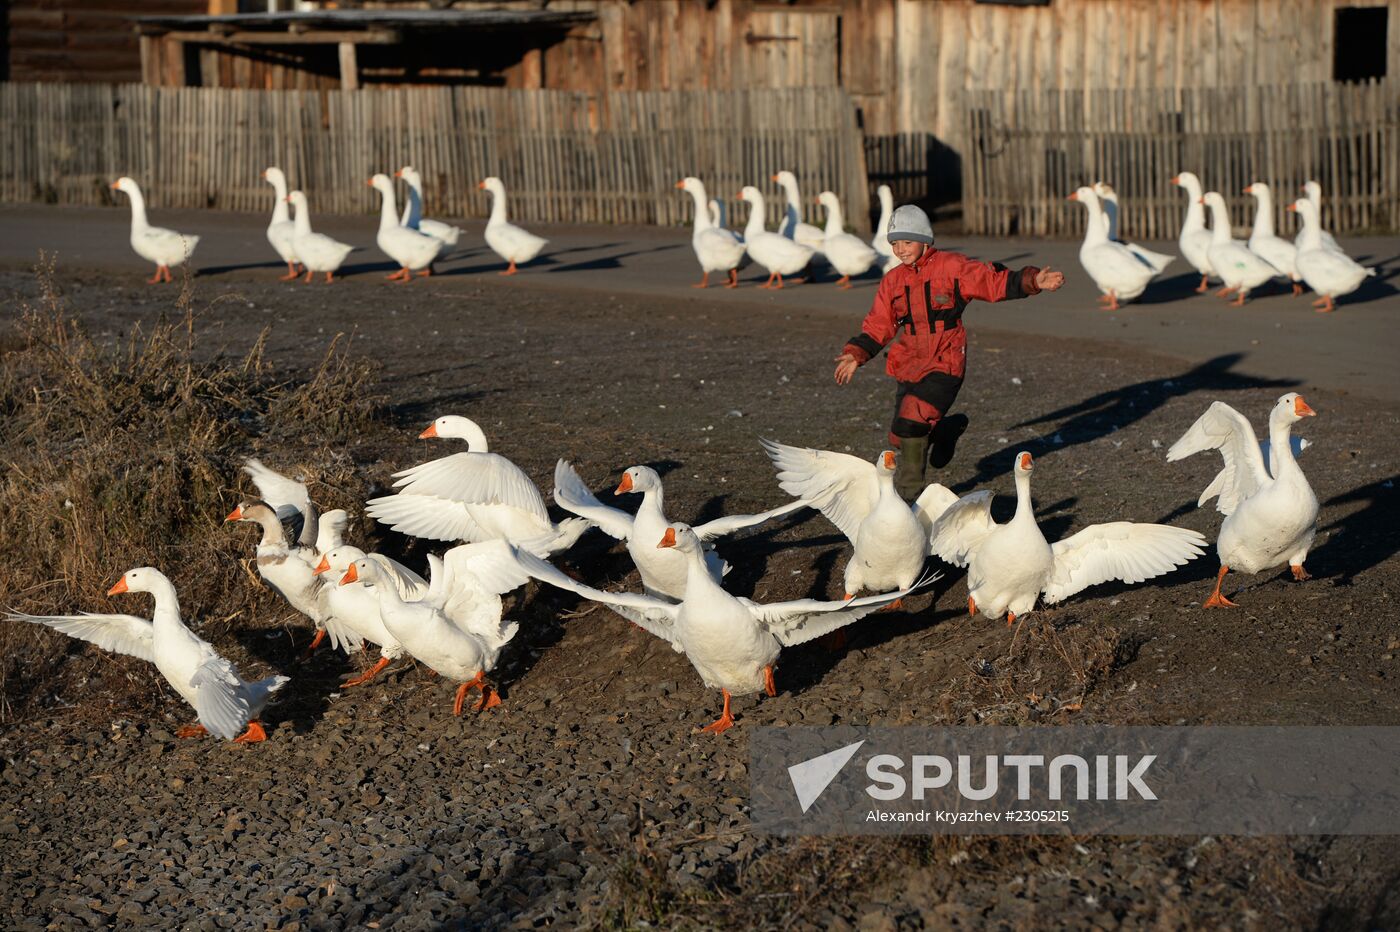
column 944, row 440
column 909, row 473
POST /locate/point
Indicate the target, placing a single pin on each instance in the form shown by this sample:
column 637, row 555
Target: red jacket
column 920, row 307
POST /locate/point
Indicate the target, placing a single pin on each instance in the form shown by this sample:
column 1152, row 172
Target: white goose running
column 166, row 248
column 413, row 213
column 281, row 230
column 717, row 249
column 663, row 569
column 1119, row 274
column 1275, row 250
column 473, row 496
column 1329, row 272
column 1195, row 239
column 316, row 251
column 792, row 227
column 512, row 243
column 732, row 642
column 847, row 254
column 1011, row 565
column 355, row 608
column 455, row 627
column 776, row 253
column 881, row 240
column 1240, row 269
column 1157, row 261
column 1270, row 512
column 227, row 705
column 412, row 250
column 889, row 537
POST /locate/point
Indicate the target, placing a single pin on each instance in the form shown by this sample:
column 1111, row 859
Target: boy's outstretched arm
column 876, row 330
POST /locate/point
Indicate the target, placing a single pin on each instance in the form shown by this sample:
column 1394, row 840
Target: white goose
column 1275, row 250
column 778, row 254
column 413, row 251
column 1240, row 270
column 287, row 566
column 792, row 227
column 510, row 242
column 455, row 628
column 316, row 251
column 1157, row 261
column 1119, row 274
column 663, row 570
column 1313, row 191
column 1270, row 512
column 1329, row 272
column 166, row 248
column 717, row 249
column 227, row 705
column 1195, row 239
column 889, row 537
column 413, row 213
column 1010, row 565
column 356, row 609
column 281, row 230
column 847, row 254
column 732, row 642
column 473, row 496
column 881, row 240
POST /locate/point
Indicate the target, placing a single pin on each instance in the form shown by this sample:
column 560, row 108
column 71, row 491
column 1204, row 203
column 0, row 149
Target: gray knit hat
column 909, row 222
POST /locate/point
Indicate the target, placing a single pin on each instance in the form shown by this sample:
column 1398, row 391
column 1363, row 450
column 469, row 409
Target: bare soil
column 588, row 798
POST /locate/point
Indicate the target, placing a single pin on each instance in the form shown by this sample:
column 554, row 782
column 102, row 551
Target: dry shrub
column 126, row 455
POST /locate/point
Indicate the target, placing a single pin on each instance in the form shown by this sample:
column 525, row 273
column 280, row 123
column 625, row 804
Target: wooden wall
column 79, row 40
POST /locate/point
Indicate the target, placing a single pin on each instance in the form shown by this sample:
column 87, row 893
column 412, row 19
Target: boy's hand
column 1049, row 279
column 846, row 366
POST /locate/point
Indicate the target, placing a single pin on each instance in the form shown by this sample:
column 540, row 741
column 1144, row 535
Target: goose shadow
column 542, row 261
column 1104, row 413
column 1176, row 288
column 1362, row 539
column 238, row 267
column 609, row 262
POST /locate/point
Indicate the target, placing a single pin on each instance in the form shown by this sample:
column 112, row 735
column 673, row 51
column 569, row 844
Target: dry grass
column 127, row 454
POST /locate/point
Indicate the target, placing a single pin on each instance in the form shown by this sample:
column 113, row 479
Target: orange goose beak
column 321, row 567
column 625, row 485
column 1302, row 409
column 350, row 576
column 118, row 587
column 235, row 515
column 668, row 539
column 429, row 431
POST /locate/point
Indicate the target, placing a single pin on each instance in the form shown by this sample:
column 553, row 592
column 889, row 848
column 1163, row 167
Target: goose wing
column 122, row 634
column 802, row 620
column 840, row 486
column 962, row 527
column 476, row 478
column 572, row 495
column 288, row 497
column 721, row 527
column 656, row 616
column 1119, row 550
column 932, row 502
column 219, row 698
column 1225, row 429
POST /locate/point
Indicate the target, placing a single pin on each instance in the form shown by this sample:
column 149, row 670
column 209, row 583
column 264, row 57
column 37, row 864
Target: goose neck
column 1312, row 232
column 1220, row 222
column 167, row 603
column 703, row 221
column 498, row 206
column 413, row 210
column 279, row 207
column 1263, row 213
column 1110, row 217
column 1096, row 230
column 1281, row 447
column 388, row 210
column 755, row 225
column 1025, row 511
column 835, row 222
column 138, row 210
column 302, row 221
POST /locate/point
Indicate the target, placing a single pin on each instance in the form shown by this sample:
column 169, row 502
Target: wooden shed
column 76, row 40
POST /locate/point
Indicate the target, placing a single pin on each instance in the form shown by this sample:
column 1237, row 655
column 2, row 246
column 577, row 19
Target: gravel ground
column 587, row 797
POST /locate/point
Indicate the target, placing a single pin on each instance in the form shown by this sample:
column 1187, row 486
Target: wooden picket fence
column 1029, row 150
column 565, row 157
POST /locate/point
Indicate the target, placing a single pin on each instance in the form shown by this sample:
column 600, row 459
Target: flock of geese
column 1123, row 270
column 452, row 622
column 411, row 240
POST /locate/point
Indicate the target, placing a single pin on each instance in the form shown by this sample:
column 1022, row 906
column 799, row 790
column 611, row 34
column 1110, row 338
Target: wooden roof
column 303, row 26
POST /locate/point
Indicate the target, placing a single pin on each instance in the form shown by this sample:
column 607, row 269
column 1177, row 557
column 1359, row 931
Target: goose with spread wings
column 1011, row 565
column 732, row 642
column 227, row 705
